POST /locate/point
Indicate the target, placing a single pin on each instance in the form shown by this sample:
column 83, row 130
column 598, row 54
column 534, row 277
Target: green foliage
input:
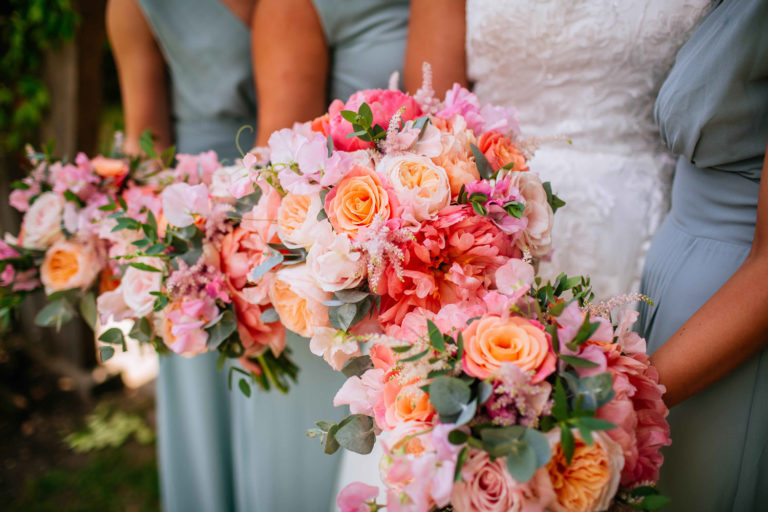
column 362, row 124
column 105, row 428
column 31, row 28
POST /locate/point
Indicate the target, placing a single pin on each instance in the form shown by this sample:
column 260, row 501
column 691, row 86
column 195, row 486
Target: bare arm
column 242, row 9
column 141, row 71
column 436, row 33
column 728, row 329
column 291, row 72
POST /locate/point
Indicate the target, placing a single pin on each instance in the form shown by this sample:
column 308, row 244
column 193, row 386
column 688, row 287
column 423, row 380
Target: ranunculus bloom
column 451, row 259
column 241, row 251
column 383, row 103
column 353, row 497
column 639, row 413
column 591, row 480
column 486, row 486
column 334, row 264
column 493, row 341
column 421, row 186
column 298, row 300
column 334, row 346
column 109, row 167
column 500, row 151
column 41, row 226
column 356, row 201
column 183, row 202
column 405, row 403
column 69, row 264
column 537, row 236
column 297, row 219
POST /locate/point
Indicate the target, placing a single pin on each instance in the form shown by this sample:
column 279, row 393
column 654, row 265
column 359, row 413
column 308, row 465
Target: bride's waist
column 560, row 156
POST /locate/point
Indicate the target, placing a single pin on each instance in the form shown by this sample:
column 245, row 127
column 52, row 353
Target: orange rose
column 357, row 200
column 406, row 403
column 591, row 480
column 69, row 265
column 298, row 300
column 109, row 167
column 493, row 341
column 500, row 151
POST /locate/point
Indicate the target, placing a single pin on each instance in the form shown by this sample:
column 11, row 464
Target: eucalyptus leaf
column 540, row 445
column 245, row 387
column 113, row 336
column 461, row 459
column 356, row 434
column 55, row 314
column 448, row 395
column 274, row 259
column 88, row 310
column 106, row 353
column 341, row 317
column 141, row 330
column 357, row 366
column 351, row 296
column 467, row 413
column 331, row 444
column 595, row 391
column 578, row 361
column 222, row 330
column 457, row 436
column 500, row 441
column 521, row 462
column 484, row 390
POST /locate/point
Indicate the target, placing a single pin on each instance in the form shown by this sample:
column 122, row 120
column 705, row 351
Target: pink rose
column 486, row 486
column 41, row 226
column 422, row 187
column 132, row 298
column 383, row 103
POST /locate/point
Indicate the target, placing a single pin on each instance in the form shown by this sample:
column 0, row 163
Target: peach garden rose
column 492, row 341
column 357, row 200
column 69, row 264
column 297, row 218
column 298, row 300
column 420, row 184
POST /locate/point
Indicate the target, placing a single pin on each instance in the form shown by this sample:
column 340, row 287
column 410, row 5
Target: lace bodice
column 589, row 70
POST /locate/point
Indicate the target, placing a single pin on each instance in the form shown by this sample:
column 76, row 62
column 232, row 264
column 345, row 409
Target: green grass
column 112, row 480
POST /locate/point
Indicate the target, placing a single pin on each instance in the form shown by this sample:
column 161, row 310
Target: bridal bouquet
column 514, row 402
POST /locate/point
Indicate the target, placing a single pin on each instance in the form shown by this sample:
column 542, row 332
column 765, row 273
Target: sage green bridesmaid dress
column 219, row 450
column 713, row 112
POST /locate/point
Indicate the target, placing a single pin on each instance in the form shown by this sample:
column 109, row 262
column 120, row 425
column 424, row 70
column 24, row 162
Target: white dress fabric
column 588, row 70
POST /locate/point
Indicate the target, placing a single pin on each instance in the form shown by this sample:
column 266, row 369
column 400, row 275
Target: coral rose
column 41, row 226
column 357, row 200
column 109, row 167
column 486, row 486
column 493, row 341
column 500, row 151
column 420, row 185
column 590, row 482
column 69, row 264
column 299, row 301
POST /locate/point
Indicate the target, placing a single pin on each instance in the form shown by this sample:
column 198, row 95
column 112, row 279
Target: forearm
column 141, row 73
column 291, row 72
column 436, row 32
column 728, row 329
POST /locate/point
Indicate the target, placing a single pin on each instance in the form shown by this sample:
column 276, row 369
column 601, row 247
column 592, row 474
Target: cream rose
column 297, row 219
column 41, row 226
column 537, row 236
column 591, row 480
column 334, row 264
column 298, row 300
column 136, row 287
column 69, row 265
column 418, row 182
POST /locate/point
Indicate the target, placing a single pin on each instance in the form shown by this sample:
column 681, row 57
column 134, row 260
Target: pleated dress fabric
column 219, row 450
column 713, row 112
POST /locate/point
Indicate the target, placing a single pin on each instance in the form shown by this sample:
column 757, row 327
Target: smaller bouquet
column 532, row 402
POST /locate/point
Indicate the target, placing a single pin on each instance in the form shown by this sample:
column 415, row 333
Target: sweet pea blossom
column 334, row 263
column 308, row 154
column 354, row 497
column 196, row 169
column 182, row 202
column 334, row 346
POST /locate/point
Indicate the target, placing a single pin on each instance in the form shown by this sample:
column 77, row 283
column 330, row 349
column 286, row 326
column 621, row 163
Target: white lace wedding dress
column 588, row 70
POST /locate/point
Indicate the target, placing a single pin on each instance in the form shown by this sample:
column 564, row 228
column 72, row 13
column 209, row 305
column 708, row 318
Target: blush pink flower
column 383, row 103
column 182, row 325
column 640, row 414
column 362, row 393
column 196, row 169
column 261, row 220
column 450, row 260
column 354, row 496
column 486, row 486
column 334, row 346
column 182, row 203
column 459, row 101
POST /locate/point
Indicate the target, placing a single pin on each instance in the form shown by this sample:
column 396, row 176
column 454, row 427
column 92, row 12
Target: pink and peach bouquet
column 510, row 402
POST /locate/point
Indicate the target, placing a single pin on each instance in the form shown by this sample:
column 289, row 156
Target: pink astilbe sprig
column 425, row 96
column 392, row 142
column 217, row 224
column 196, row 281
column 380, row 244
column 515, row 401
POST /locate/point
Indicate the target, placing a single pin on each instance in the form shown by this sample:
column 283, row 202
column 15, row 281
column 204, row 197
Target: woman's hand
column 728, row 329
column 291, row 65
column 141, row 71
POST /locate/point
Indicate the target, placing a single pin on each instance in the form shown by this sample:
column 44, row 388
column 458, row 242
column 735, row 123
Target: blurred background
column 74, row 435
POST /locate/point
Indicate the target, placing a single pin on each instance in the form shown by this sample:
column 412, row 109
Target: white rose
column 42, row 222
column 418, row 182
column 335, row 265
column 537, row 236
column 136, row 287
